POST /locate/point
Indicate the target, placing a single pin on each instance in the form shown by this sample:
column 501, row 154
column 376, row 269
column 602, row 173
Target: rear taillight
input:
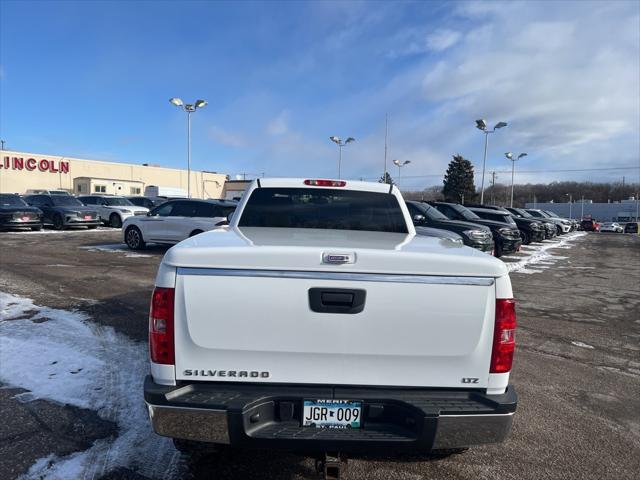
column 161, row 347
column 325, row 183
column 504, row 336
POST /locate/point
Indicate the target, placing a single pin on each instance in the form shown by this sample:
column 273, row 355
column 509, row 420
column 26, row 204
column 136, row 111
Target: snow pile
column 115, row 247
column 59, row 355
column 45, row 231
column 540, row 257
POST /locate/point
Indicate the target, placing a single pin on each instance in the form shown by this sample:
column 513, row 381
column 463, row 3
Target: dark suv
column 589, row 225
column 63, row 211
column 473, row 235
column 148, row 202
column 631, row 227
column 506, row 235
column 15, row 213
column 530, row 230
column 549, row 228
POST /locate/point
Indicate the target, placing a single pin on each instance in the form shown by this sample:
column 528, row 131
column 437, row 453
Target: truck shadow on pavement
column 274, row 464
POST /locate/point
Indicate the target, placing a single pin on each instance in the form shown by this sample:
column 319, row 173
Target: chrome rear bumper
column 264, row 416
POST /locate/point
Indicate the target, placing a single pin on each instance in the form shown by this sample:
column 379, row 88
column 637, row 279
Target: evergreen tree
column 458, row 181
column 386, row 178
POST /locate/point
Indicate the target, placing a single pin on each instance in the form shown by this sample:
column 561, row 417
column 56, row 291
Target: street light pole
column 570, row 202
column 484, row 164
column 513, row 159
column 400, row 164
column 482, row 125
column 188, row 154
column 338, row 141
column 189, row 108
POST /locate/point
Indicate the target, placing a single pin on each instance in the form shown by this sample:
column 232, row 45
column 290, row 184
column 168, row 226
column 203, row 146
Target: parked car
column 15, row 213
column 113, row 209
column 562, row 225
column 611, row 227
column 39, row 191
column 505, row 235
column 550, row 228
column 440, row 233
column 530, row 230
column 632, row 227
column 590, row 225
column 573, row 223
column 63, row 211
column 146, row 202
column 319, row 322
column 176, row 220
column 473, row 235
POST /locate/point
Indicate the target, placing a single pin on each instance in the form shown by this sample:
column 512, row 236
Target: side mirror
column 418, row 219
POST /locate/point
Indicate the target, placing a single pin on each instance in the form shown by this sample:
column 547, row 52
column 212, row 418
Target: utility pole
column 2, row 143
column 582, row 208
column 386, row 132
column 493, row 187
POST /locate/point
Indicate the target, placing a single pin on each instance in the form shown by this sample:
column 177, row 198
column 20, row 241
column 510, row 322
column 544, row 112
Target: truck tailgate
column 241, row 325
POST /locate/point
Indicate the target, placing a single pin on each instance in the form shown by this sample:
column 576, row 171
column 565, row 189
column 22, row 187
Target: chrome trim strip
column 340, row 276
column 474, row 415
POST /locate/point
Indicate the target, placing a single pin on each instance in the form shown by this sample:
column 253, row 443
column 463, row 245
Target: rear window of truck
column 323, row 208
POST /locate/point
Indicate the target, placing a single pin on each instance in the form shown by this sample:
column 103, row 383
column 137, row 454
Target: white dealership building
column 22, row 171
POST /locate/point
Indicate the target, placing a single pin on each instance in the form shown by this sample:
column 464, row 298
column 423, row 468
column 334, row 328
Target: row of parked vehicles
column 143, row 219
column 492, row 229
column 489, row 228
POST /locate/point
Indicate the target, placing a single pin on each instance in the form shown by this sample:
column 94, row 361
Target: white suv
column 113, row 210
column 176, row 220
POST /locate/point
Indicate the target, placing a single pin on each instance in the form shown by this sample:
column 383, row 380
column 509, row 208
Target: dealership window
column 100, row 188
column 135, row 190
column 79, row 188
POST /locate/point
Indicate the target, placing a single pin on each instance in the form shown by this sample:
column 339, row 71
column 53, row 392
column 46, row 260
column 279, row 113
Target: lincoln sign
column 44, row 165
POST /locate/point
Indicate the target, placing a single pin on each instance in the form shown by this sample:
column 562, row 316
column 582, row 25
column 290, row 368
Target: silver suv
column 113, row 210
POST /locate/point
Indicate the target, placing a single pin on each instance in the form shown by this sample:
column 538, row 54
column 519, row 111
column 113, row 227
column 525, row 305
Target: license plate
column 87, row 217
column 331, row 413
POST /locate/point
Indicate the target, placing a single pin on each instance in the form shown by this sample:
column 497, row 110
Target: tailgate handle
column 337, row 300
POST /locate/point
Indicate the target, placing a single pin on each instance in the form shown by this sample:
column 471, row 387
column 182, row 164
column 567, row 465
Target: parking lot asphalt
column 577, row 367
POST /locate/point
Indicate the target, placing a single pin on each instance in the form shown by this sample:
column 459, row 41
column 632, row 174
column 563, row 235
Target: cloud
column 560, row 89
column 279, row 125
column 442, row 39
column 227, row 138
column 418, row 41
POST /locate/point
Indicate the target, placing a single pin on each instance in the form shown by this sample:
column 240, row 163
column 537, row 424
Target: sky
column 93, row 80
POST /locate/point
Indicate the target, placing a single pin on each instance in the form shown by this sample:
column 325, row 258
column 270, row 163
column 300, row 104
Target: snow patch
column 582, row 345
column 44, row 231
column 70, row 360
column 539, row 255
column 115, row 247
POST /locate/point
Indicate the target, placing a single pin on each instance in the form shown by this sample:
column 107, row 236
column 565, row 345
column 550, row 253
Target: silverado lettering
column 226, row 373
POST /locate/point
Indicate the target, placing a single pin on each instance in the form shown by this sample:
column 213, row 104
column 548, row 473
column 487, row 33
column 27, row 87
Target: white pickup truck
column 318, row 321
